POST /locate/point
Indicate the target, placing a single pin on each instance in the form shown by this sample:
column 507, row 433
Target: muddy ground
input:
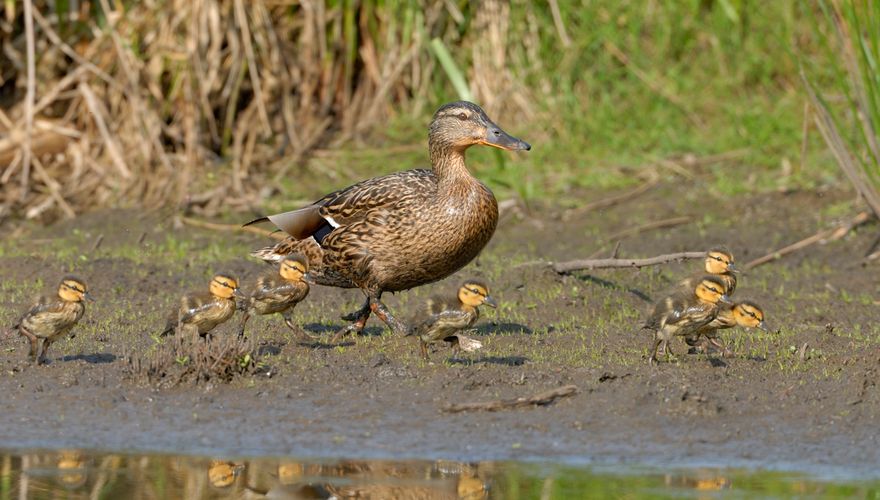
column 373, row 397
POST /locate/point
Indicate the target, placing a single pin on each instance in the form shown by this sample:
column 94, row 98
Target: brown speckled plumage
column 204, row 311
column 404, row 229
column 50, row 318
column 275, row 294
column 444, row 318
column 684, row 313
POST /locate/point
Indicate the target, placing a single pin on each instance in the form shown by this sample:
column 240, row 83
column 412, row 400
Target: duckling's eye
column 474, row 291
column 462, row 116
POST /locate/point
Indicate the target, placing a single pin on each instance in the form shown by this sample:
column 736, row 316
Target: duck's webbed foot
column 356, row 327
column 382, row 312
column 353, row 316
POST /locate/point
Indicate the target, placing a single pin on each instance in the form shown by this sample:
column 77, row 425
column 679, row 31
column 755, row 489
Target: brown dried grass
column 189, row 103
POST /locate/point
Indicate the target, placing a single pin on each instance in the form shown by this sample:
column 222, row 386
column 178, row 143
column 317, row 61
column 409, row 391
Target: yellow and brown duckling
column 278, row 292
column 445, row 318
column 718, row 262
column 201, row 312
column 52, row 317
column 684, row 313
column 746, row 314
column 405, row 229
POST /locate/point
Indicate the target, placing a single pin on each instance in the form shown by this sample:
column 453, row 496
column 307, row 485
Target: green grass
column 697, row 80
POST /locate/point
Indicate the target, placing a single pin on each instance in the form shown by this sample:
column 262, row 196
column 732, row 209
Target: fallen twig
column 613, row 200
column 540, row 399
column 277, row 235
column 577, row 265
column 660, row 224
column 825, row 236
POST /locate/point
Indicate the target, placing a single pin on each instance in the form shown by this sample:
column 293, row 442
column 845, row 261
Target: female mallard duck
column 52, row 317
column 278, row 292
column 746, row 314
column 447, row 317
column 405, row 229
column 684, row 313
column 203, row 311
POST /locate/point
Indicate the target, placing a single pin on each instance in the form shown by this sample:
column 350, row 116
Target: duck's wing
column 272, row 289
column 352, row 204
column 40, row 306
column 193, row 304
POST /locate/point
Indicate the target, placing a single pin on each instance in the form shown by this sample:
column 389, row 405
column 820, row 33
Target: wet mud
column 801, row 398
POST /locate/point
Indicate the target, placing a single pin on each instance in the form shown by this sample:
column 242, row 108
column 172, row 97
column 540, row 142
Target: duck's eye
column 462, row 116
column 474, row 291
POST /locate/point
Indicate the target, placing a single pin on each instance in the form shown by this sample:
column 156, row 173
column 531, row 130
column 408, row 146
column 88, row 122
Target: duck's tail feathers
column 255, row 221
column 268, row 254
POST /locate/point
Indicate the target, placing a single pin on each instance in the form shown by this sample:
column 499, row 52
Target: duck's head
column 73, row 289
column 293, row 267
column 459, row 125
column 719, row 260
column 222, row 474
column 224, row 286
column 475, row 293
column 750, row 315
column 712, row 289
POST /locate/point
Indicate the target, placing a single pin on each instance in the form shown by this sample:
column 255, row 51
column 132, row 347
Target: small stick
column 826, row 235
column 577, row 265
column 540, row 399
column 613, row 200
column 660, row 224
column 98, row 241
column 277, row 235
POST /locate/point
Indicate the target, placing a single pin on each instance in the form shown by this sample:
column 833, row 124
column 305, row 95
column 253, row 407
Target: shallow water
column 75, row 474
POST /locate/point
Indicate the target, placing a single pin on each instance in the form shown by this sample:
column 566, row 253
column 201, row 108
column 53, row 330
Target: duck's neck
column 448, row 164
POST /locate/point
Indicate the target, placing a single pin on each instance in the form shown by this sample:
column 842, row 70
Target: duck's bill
column 732, row 268
column 89, row 297
column 489, row 301
column 308, row 278
column 498, row 138
column 725, row 300
column 763, row 326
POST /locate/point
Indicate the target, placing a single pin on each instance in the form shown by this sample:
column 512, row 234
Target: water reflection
column 75, row 474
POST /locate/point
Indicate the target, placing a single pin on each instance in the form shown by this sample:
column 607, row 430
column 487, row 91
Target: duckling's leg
column 298, row 330
column 33, row 340
column 244, row 318
column 657, row 341
column 43, row 358
column 423, row 346
column 384, row 314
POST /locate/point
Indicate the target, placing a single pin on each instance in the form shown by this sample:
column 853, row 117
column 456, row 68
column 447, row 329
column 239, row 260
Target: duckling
column 201, row 312
column 745, row 313
column 405, row 229
column 279, row 292
column 52, row 317
column 718, row 262
column 685, row 313
column 446, row 317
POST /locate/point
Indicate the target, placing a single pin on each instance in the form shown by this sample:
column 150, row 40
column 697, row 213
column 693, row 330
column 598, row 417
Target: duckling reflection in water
column 50, row 318
column 746, row 314
column 201, row 312
column 278, row 292
column 221, row 474
column 444, row 318
column 684, row 313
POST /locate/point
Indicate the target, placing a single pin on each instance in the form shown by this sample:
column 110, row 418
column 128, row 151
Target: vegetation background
column 226, row 105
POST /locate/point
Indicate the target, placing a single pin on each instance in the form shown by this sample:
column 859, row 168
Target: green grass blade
column 456, row 77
